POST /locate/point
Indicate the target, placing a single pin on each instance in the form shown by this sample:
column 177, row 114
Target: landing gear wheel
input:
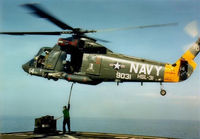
column 163, row 92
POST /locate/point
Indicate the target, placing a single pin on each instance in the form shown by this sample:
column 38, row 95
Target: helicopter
column 81, row 59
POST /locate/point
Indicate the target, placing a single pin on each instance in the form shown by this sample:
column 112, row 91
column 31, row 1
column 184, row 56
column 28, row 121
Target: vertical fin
column 191, row 53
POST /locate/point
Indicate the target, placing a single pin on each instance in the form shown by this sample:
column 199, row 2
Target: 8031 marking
column 123, row 76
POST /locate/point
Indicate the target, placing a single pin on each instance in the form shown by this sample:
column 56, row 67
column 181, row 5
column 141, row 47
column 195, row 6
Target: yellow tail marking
column 188, row 56
column 171, row 73
column 193, row 64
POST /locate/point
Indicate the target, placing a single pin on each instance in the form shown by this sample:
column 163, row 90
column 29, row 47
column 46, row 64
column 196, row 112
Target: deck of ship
column 74, row 135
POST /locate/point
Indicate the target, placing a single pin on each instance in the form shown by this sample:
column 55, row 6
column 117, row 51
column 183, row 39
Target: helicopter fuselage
column 70, row 60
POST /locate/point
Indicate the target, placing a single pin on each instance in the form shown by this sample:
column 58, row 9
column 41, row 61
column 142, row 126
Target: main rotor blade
column 136, row 27
column 40, row 12
column 96, row 39
column 101, row 40
column 37, row 33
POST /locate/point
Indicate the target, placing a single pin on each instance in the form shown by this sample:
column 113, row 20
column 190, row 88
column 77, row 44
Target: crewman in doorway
column 66, row 119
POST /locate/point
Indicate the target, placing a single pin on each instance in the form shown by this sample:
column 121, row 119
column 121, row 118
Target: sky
column 25, row 95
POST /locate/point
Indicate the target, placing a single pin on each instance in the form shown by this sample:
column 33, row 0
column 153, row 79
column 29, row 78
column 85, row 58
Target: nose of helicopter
column 25, row 67
column 28, row 65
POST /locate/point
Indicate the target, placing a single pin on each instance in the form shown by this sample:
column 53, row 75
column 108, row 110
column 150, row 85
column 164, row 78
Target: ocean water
column 165, row 128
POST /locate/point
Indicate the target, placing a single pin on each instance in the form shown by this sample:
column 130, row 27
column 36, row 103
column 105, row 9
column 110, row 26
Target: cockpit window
column 42, row 56
column 42, row 50
column 31, row 63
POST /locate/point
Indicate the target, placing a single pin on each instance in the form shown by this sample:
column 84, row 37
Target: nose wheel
column 162, row 91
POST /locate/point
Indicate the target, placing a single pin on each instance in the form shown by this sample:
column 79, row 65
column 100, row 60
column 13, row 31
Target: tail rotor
column 192, row 29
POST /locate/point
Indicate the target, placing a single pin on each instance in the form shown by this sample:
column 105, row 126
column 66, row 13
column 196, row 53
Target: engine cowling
column 67, row 42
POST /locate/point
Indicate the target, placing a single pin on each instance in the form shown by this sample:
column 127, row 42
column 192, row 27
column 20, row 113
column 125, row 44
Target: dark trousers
column 66, row 121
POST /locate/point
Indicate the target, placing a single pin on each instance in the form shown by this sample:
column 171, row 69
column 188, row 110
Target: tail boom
column 184, row 67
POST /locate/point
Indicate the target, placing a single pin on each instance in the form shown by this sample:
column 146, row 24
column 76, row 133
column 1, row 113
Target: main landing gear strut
column 162, row 91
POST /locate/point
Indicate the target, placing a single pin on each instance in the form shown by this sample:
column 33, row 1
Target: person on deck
column 66, row 119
